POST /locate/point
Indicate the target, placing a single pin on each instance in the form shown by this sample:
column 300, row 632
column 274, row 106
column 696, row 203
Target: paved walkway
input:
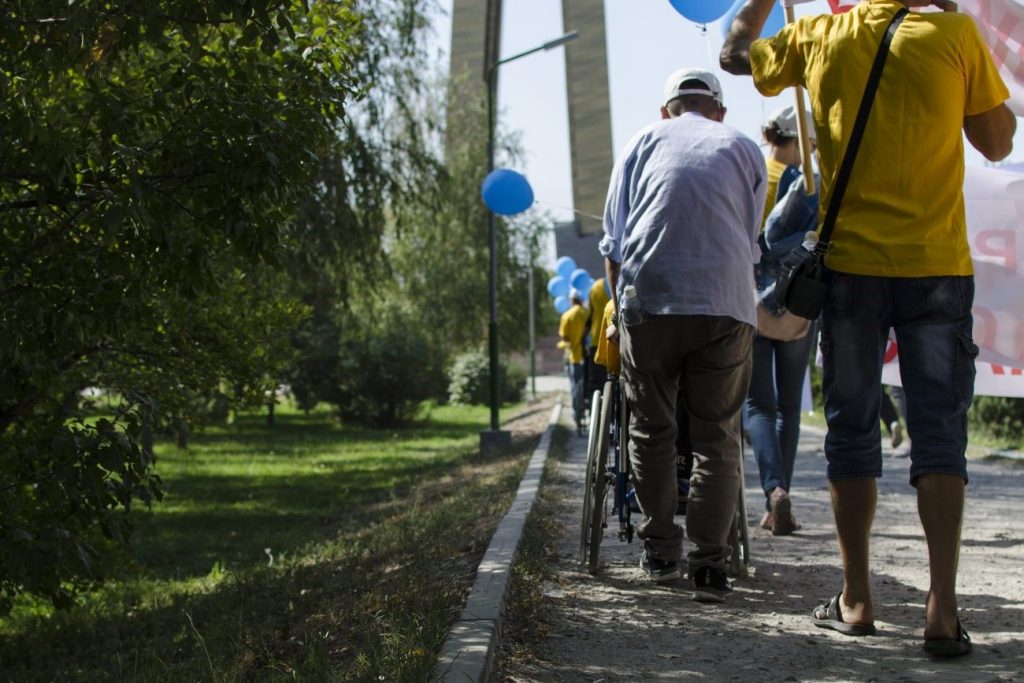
column 550, row 383
column 618, row 626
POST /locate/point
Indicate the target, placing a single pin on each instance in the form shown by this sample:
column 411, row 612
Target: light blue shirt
column 683, row 213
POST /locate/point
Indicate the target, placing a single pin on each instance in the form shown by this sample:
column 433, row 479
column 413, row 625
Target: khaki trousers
column 706, row 361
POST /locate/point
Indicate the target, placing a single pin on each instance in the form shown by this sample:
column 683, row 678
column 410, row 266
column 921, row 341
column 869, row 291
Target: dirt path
column 618, row 626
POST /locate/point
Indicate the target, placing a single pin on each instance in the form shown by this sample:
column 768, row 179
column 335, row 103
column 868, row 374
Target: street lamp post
column 531, row 315
column 495, row 437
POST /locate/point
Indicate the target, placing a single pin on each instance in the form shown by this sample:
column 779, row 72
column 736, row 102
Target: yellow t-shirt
column 573, row 326
column 607, row 353
column 775, row 169
column 903, row 212
column 598, row 300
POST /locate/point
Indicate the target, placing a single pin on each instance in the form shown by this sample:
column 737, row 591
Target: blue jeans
column 773, row 407
column 577, row 375
column 933, row 322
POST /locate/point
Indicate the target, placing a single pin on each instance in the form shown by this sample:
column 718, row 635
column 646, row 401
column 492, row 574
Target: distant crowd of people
column 699, row 227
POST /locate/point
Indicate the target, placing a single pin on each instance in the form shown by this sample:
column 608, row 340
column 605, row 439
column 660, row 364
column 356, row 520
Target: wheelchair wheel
column 600, row 484
column 624, row 465
column 588, row 481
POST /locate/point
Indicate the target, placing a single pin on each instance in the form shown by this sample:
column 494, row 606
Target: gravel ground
column 619, row 626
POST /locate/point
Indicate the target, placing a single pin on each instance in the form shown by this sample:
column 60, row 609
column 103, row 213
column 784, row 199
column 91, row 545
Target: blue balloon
column 581, row 280
column 701, row 11
column 776, row 20
column 506, row 192
column 562, row 304
column 565, row 267
column 557, row 286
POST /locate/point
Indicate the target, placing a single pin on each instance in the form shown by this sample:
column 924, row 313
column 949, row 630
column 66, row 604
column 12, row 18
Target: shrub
column 515, row 387
column 1001, row 418
column 384, row 371
column 312, row 374
column 469, row 379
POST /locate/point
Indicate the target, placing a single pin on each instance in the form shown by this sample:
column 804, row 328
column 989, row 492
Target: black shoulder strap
column 843, row 177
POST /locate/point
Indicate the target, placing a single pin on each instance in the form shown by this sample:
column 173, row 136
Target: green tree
column 371, row 173
column 152, row 158
column 439, row 251
column 432, row 274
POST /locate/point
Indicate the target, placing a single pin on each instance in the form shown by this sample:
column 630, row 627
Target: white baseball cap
column 785, row 120
column 712, row 87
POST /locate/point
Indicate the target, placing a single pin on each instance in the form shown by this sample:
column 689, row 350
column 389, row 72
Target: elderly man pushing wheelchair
column 681, row 221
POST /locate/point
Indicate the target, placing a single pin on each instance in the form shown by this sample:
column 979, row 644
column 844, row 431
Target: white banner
column 1002, row 27
column 991, row 379
column 995, row 229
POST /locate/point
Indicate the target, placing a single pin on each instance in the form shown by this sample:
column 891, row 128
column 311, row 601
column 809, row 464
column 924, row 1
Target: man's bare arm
column 611, row 273
column 745, row 28
column 991, row 133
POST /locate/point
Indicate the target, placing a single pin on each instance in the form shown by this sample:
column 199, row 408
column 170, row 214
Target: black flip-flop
column 950, row 648
column 829, row 615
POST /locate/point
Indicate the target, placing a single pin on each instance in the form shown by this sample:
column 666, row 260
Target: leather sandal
column 830, row 615
column 950, row 648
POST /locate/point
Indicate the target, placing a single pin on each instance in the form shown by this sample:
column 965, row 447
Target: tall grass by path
column 302, row 551
column 528, row 614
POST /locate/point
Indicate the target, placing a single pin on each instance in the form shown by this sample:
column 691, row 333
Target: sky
column 647, row 40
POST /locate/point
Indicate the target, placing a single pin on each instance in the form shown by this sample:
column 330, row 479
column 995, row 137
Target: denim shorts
column 932, row 320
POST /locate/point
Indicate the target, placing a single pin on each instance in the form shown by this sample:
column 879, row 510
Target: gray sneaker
column 659, row 570
column 710, row 585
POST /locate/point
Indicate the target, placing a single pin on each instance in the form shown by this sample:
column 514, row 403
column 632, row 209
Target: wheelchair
column 608, row 471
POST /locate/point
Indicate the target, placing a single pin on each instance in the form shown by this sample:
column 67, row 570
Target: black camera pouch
column 802, row 284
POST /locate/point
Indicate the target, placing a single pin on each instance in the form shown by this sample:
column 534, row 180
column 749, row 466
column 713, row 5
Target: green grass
column 528, row 613
column 253, row 488
column 305, row 551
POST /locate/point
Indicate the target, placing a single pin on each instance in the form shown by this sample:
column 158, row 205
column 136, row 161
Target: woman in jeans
column 772, row 408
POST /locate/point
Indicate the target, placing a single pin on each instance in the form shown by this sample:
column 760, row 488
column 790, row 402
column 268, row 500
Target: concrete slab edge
column 468, row 653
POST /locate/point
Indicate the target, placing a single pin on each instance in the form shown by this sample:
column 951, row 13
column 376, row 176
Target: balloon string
column 575, row 211
column 711, row 55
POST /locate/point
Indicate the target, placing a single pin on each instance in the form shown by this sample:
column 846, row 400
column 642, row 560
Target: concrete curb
column 468, row 653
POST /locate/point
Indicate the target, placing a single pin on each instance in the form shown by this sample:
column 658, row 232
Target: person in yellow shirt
column 597, row 299
column 899, row 258
column 607, row 352
column 572, row 332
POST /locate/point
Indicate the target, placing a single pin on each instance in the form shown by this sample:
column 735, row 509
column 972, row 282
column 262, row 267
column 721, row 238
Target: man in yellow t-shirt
column 899, row 259
column 597, row 300
column 572, row 331
column 607, row 352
